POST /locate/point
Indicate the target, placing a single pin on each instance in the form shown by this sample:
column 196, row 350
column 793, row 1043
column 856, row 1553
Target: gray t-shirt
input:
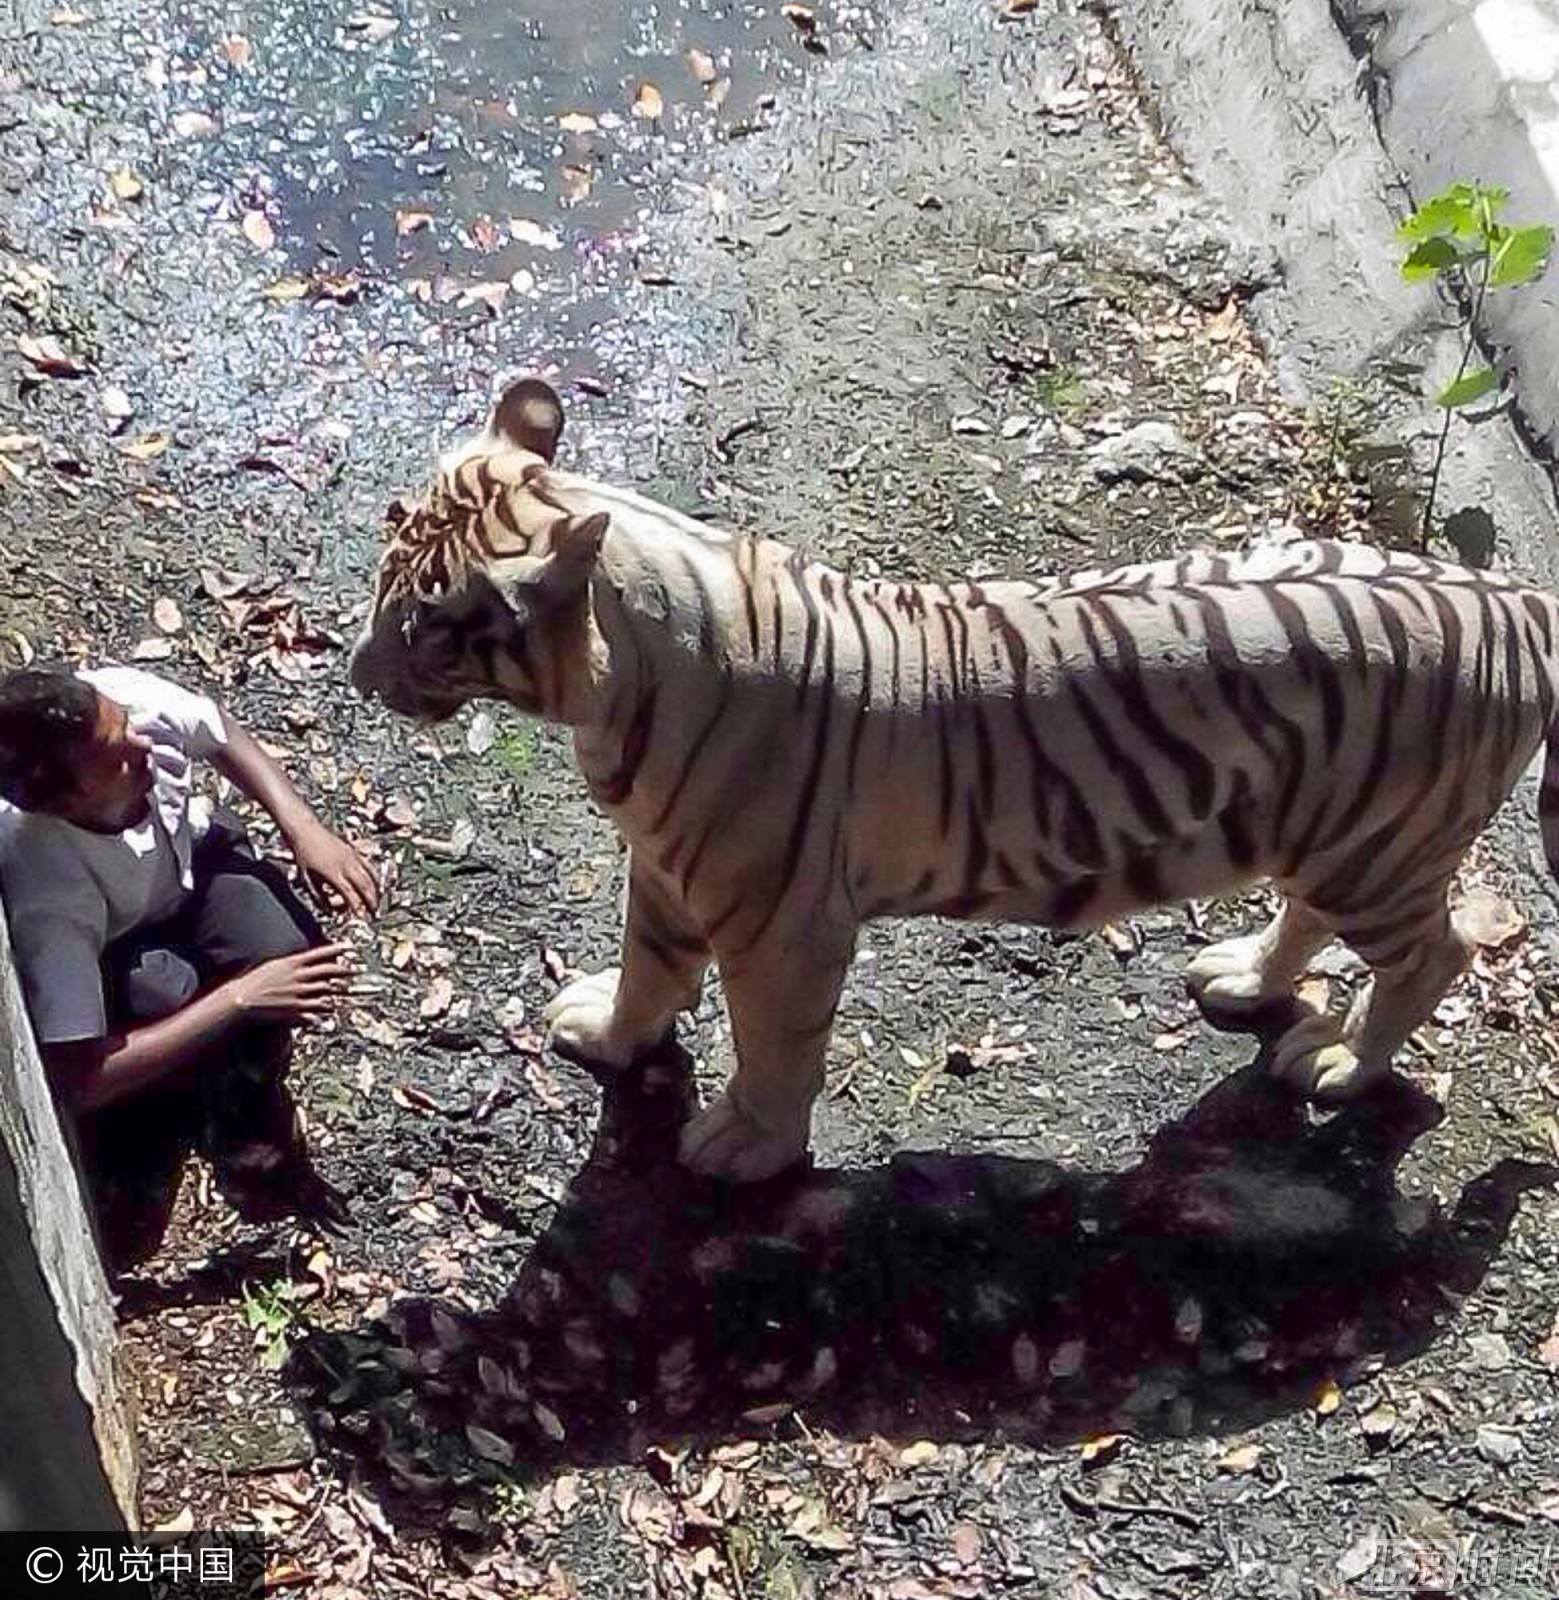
column 69, row 891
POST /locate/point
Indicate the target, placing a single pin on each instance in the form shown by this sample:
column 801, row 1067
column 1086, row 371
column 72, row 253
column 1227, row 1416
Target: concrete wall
column 1469, row 89
column 66, row 1450
column 1268, row 103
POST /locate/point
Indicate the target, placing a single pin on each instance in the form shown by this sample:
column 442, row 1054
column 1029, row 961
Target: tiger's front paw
column 1226, row 979
column 583, row 1021
column 1315, row 1058
column 723, row 1141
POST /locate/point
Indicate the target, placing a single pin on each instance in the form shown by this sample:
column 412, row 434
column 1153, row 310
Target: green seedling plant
column 1458, row 239
column 270, row 1310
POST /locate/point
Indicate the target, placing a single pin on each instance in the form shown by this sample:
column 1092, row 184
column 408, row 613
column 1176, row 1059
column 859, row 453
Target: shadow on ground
column 1251, row 1255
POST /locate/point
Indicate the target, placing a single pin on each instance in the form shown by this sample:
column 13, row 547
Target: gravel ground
column 1073, row 1303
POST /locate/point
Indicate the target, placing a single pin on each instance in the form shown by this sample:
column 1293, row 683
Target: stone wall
column 68, row 1460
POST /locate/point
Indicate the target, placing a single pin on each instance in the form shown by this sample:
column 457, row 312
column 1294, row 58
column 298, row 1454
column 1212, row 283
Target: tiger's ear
column 529, row 415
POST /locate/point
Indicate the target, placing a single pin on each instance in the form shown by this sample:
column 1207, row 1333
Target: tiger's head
column 482, row 589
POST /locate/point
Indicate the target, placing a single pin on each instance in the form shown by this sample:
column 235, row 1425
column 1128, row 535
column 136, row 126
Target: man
column 164, row 966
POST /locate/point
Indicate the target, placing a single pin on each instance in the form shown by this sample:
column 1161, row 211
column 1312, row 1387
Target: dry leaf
column 152, row 650
column 1377, row 1423
column 126, row 185
column 565, row 1492
column 1104, row 1448
column 1018, row 8
column 702, row 67
column 285, row 289
column 484, row 233
column 1242, row 1458
column 49, row 356
column 1327, row 1399
column 372, row 26
column 648, row 104
column 413, row 1099
column 965, row 1537
column 491, row 294
column 482, row 734
column 577, row 183
column 523, row 231
column 222, row 584
column 258, row 230
column 577, row 122
column 439, row 998
column 407, row 222
column 1359, row 1557
column 489, row 1446
column 182, row 1523
column 193, row 125
column 802, row 18
column 1488, row 919
column 149, row 447
column 1548, row 1351
column 115, row 405
column 920, row 1454
column 237, row 49
column 167, row 616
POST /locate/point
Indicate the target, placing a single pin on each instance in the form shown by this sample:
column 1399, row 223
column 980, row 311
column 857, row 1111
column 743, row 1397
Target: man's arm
column 320, row 853
column 91, row 1073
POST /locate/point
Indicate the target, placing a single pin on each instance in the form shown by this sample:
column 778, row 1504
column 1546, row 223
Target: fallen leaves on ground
column 258, row 231
column 49, row 356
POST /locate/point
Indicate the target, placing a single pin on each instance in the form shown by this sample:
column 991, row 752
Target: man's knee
column 244, row 922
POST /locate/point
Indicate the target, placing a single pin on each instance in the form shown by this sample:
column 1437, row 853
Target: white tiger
column 790, row 752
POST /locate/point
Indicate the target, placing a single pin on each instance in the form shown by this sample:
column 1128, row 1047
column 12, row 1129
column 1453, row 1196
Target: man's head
column 69, row 751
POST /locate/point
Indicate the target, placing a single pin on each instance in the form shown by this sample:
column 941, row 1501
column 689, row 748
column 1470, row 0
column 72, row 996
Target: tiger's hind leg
column 616, row 1015
column 1237, row 976
column 782, row 1003
column 1415, row 954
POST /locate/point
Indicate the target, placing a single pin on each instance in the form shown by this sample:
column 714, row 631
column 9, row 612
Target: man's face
column 113, row 773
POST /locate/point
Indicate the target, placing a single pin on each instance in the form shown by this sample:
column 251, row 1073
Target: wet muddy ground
column 1073, row 1302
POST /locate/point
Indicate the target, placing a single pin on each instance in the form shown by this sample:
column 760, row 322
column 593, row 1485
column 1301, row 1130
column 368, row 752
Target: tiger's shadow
column 1250, row 1255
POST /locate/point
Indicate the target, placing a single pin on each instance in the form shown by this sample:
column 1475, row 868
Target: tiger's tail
column 1548, row 799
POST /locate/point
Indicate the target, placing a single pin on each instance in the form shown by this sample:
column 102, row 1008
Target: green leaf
column 1521, row 256
column 1456, row 212
column 1430, row 258
column 1471, row 386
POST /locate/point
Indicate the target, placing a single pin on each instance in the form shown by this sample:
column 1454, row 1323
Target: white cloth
column 69, row 891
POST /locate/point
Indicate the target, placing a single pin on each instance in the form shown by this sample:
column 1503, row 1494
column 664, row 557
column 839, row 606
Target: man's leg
column 132, row 1154
column 244, row 912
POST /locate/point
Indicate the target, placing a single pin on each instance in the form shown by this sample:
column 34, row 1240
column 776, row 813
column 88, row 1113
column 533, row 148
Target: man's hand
column 292, row 988
column 331, row 867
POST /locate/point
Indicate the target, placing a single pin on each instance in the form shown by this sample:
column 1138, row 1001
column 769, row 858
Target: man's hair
column 46, row 715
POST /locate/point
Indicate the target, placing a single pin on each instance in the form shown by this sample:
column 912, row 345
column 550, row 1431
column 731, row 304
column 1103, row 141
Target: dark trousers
column 230, row 1103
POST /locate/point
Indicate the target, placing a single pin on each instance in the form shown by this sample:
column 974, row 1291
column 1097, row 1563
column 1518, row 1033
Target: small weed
column 511, row 1504
column 1060, row 391
column 1340, row 423
column 1455, row 239
column 270, row 1309
column 515, row 752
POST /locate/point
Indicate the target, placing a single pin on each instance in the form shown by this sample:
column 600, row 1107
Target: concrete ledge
column 68, row 1461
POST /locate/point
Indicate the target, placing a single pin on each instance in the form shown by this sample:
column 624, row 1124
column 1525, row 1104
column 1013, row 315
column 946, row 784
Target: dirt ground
column 1073, row 1302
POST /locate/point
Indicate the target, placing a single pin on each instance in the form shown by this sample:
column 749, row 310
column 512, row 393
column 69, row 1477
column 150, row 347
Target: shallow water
column 471, row 115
